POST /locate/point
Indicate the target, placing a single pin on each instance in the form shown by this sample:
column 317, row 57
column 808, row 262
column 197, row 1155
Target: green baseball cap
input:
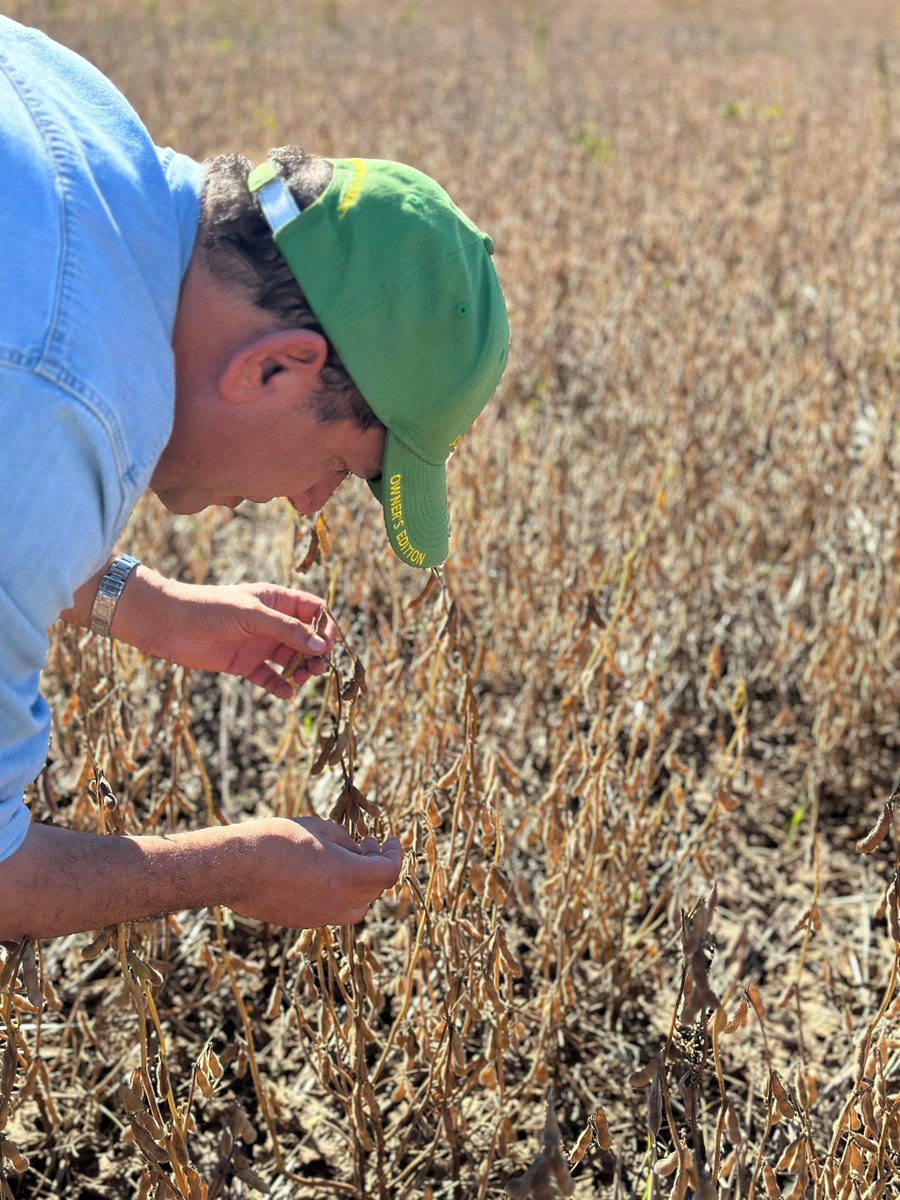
column 403, row 285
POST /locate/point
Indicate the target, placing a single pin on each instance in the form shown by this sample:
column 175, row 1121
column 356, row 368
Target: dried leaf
column 425, row 592
column 667, row 1166
column 312, row 554
column 357, row 685
column 655, row 1107
column 323, row 535
column 778, row 1092
column 642, row 1077
column 148, row 1147
column 878, row 832
column 30, row 976
column 581, row 1146
column 792, row 1155
column 249, row 1176
column 740, row 1017
column 10, row 1153
column 326, row 749
column 11, row 966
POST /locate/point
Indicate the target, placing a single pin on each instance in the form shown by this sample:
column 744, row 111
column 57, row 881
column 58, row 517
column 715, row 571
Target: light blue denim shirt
column 97, row 227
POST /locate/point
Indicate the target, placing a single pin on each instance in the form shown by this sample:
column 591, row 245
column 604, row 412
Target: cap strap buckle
column 278, row 205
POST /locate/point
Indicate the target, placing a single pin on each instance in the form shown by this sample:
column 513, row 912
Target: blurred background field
column 629, row 739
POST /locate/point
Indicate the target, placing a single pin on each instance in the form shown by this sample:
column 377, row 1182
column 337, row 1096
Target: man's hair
column 241, row 255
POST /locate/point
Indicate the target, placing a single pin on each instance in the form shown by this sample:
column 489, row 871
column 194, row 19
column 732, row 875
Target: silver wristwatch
column 111, row 587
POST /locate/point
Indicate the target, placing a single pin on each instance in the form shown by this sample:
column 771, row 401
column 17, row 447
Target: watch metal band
column 111, row 587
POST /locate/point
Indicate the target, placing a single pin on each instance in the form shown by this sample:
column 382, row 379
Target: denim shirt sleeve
column 55, row 487
column 97, row 226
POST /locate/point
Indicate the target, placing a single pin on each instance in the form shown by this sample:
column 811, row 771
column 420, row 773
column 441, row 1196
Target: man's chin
column 186, row 506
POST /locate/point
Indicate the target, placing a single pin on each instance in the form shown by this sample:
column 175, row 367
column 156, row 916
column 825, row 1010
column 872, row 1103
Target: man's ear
column 273, row 365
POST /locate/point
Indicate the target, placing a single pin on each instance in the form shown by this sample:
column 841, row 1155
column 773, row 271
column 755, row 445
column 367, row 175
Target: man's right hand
column 297, row 873
column 308, row 872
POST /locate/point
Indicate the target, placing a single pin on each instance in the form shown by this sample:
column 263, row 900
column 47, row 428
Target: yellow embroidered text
column 405, row 547
column 352, row 194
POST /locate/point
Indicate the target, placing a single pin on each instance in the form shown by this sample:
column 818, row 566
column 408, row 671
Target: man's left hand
column 247, row 629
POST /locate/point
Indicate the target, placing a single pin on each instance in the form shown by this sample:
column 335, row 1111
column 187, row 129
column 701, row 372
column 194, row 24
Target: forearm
column 299, row 873
column 62, row 882
column 136, row 608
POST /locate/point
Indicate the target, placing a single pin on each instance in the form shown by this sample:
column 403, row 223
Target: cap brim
column 413, row 495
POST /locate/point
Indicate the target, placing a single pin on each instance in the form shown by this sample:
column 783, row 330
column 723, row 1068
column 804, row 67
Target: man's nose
column 314, row 498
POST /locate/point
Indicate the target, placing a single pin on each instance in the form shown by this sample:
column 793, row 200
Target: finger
column 307, row 608
column 263, row 676
column 393, row 851
column 299, row 677
column 297, row 669
column 322, row 620
column 301, row 671
column 283, row 655
column 269, row 623
column 391, row 848
column 292, row 601
column 329, row 831
column 380, row 871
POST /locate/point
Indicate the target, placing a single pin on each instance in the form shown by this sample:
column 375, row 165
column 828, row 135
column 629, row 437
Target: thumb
column 382, row 868
column 290, row 631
